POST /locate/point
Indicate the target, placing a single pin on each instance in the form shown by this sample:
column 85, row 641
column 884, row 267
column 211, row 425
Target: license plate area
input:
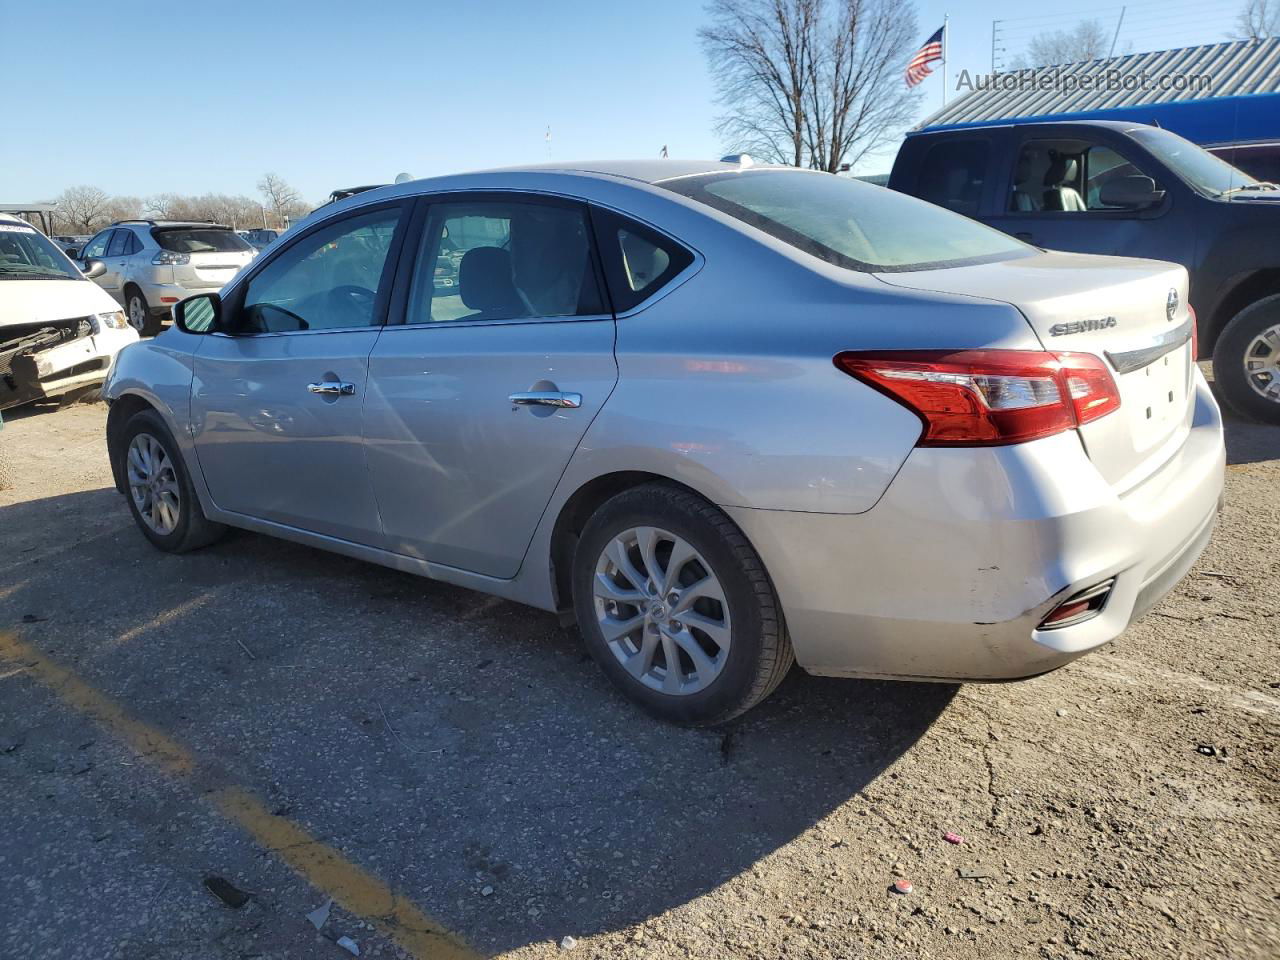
column 1157, row 397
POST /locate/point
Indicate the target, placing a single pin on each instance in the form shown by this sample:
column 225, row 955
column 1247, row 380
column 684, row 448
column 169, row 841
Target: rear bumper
column 950, row 574
column 161, row 297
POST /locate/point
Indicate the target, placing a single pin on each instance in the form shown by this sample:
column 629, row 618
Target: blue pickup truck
column 1128, row 189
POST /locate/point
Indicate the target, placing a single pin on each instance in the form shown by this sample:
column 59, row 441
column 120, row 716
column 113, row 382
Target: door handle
column 332, row 388
column 1025, row 237
column 547, row 398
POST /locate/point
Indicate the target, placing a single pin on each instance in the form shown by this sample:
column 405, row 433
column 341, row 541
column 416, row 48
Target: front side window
column 849, row 223
column 27, row 254
column 1066, row 176
column 328, row 280
column 97, row 247
column 503, row 260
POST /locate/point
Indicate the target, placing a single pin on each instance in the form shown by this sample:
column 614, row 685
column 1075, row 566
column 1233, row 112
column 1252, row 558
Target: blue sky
column 143, row 98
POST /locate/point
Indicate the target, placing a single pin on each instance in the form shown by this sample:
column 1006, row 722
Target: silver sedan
column 727, row 417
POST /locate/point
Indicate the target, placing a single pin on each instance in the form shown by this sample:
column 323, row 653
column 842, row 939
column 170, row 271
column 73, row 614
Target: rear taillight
column 1195, row 334
column 171, row 258
column 980, row 398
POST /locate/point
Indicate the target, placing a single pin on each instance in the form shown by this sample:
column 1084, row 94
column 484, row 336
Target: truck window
column 952, row 174
column 1065, row 176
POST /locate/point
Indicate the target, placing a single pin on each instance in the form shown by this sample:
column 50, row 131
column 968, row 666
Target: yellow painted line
column 322, row 866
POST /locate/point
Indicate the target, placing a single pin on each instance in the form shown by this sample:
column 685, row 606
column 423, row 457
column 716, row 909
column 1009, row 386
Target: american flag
column 918, row 68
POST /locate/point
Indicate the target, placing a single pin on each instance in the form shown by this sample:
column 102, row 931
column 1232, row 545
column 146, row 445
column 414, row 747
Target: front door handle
column 547, row 398
column 332, row 388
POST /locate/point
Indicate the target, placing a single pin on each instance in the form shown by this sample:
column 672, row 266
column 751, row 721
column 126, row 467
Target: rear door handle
column 332, row 388
column 547, row 398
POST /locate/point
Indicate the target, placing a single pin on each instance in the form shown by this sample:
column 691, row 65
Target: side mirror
column 1133, row 193
column 73, row 253
column 93, row 268
column 198, row 315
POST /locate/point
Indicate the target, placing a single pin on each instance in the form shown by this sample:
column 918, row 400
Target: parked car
column 1130, row 189
column 153, row 264
column 260, row 239
column 58, row 331
column 721, row 415
column 70, row 245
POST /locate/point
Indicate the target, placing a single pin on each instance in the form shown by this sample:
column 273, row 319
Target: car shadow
column 446, row 741
column 1249, row 441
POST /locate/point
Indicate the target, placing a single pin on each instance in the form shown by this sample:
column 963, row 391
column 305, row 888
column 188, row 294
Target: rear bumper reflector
column 1078, row 608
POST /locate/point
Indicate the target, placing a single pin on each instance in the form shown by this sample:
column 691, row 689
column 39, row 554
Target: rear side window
column 638, row 262
column 119, row 245
column 199, row 240
column 952, row 175
column 504, row 260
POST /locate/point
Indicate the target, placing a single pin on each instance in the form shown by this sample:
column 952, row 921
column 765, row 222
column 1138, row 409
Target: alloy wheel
column 1262, row 363
column 137, row 313
column 153, row 484
column 662, row 611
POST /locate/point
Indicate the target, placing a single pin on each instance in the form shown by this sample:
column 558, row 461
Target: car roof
column 646, row 171
column 169, row 223
column 1122, row 126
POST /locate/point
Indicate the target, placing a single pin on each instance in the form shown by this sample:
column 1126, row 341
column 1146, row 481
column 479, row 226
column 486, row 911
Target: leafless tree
column 282, row 199
column 1088, row 41
column 83, row 209
column 1258, row 19
column 816, row 83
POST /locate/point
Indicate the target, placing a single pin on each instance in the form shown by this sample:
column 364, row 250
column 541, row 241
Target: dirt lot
column 457, row 776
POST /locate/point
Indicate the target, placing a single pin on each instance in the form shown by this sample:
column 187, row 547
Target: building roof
column 1236, row 68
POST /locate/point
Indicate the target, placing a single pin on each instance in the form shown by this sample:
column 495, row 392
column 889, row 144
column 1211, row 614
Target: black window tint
column 504, row 260
column 951, row 175
column 119, row 245
column 199, row 240
column 327, row 280
column 638, row 262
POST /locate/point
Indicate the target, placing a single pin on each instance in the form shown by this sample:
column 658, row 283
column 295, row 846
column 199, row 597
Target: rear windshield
column 850, row 223
column 27, row 254
column 200, row 240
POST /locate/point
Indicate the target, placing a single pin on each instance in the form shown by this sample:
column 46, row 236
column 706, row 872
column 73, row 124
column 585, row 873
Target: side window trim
column 233, row 300
column 398, row 313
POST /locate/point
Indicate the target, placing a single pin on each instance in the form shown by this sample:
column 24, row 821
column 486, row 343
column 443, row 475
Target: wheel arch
column 121, row 411
column 573, row 516
column 1248, row 290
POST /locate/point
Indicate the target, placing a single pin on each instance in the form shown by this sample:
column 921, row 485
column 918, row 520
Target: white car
column 59, row 331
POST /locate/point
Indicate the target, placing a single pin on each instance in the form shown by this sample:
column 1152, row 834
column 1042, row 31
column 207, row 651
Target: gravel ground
column 465, row 753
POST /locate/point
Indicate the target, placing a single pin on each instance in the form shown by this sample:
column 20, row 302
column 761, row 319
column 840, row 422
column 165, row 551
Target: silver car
column 153, row 264
column 724, row 416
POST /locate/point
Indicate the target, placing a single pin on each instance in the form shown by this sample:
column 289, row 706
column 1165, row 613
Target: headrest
column 484, row 282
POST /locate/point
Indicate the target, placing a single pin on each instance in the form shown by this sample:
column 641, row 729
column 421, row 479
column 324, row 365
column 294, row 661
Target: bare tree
column 83, row 209
column 817, row 83
column 1258, row 19
column 161, row 206
column 1088, row 41
column 283, row 200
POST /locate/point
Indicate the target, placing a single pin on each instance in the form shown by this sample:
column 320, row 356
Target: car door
column 1051, row 165
column 117, row 261
column 277, row 398
column 96, row 249
column 480, row 393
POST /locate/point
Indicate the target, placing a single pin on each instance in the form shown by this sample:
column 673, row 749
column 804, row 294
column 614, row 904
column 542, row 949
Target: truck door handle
column 332, row 388
column 547, row 398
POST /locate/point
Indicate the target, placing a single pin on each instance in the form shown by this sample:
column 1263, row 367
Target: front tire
column 1246, row 361
column 675, row 606
column 140, row 316
column 158, row 488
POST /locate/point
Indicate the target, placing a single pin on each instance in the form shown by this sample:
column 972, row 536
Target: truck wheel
column 1246, row 361
column 676, row 607
column 139, row 314
column 158, row 488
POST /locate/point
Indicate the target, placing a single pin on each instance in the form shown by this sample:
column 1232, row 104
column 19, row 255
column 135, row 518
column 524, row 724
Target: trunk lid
column 1131, row 313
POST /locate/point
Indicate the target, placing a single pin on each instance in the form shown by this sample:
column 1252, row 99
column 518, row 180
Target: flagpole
column 945, row 32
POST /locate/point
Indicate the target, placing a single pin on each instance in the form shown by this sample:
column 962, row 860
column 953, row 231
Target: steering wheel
column 353, row 300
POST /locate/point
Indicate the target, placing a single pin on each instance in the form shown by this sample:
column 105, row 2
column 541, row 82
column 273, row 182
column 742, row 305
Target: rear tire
column 140, row 316
column 1246, row 361
column 158, row 488
column 714, row 613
